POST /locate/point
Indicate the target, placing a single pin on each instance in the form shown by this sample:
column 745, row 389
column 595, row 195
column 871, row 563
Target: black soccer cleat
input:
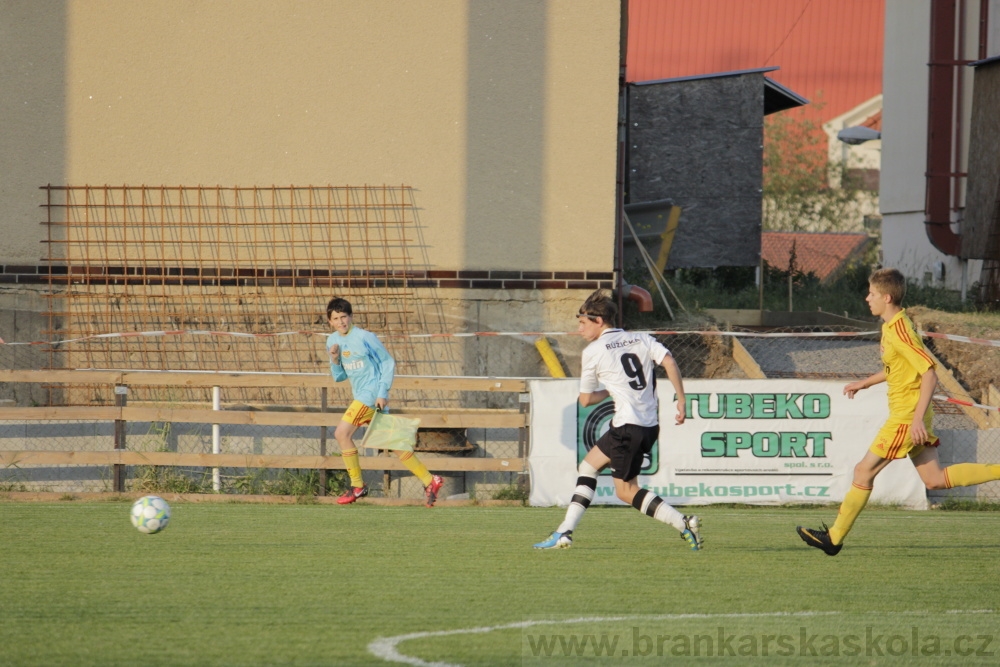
column 820, row 539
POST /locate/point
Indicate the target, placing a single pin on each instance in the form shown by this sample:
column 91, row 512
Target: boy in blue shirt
column 358, row 355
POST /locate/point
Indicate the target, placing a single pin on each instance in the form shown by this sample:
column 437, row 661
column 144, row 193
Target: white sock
column 586, row 483
column 652, row 505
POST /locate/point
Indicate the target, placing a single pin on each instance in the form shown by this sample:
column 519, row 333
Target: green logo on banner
column 594, row 421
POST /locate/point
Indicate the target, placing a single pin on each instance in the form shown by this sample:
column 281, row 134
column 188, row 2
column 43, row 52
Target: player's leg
column 586, row 485
column 929, row 468
column 432, row 483
column 928, row 465
column 357, row 414
column 630, row 444
column 892, row 442
column 348, row 451
column 832, row 540
column 857, row 496
column 656, row 507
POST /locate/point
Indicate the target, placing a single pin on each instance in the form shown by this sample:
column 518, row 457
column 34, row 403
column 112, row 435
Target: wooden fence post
column 523, row 407
column 216, row 439
column 322, row 442
column 118, row 470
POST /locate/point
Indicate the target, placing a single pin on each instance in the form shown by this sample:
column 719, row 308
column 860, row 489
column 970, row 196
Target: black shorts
column 625, row 446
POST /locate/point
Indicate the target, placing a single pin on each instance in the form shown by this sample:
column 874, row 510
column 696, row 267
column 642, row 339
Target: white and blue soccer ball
column 150, row 514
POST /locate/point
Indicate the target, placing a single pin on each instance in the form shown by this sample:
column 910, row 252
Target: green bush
column 168, row 479
column 967, row 505
column 512, row 492
column 287, row 482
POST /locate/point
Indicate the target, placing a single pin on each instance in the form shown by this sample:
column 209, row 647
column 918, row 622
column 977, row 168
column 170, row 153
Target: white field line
column 386, row 648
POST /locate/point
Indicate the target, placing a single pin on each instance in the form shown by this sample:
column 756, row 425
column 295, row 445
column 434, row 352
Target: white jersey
column 624, row 364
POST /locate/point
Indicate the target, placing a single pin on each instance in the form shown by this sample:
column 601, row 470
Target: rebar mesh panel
column 242, row 259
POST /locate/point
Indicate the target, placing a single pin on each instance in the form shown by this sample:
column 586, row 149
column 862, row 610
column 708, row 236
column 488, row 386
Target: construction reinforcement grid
column 253, row 260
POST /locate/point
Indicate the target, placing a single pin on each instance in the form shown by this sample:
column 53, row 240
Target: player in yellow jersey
column 909, row 371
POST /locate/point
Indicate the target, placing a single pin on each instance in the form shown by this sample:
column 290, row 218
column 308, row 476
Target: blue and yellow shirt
column 365, row 362
column 905, row 359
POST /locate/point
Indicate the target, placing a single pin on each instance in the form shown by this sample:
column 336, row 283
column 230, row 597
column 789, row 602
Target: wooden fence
column 322, row 418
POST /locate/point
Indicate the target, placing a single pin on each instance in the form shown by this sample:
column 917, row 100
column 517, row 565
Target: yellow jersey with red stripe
column 904, row 359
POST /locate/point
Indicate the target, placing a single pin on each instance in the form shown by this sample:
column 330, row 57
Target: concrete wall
column 23, row 319
column 506, row 311
column 502, row 115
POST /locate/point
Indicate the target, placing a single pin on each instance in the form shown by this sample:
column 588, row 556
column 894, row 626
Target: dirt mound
column 975, row 366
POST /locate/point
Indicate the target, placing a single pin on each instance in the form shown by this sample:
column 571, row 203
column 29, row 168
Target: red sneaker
column 352, row 494
column 431, row 490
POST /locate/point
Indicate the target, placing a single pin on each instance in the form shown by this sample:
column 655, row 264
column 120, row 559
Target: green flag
column 391, row 432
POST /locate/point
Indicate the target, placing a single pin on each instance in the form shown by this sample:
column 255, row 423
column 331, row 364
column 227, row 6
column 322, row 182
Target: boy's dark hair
column 338, row 305
column 891, row 282
column 600, row 304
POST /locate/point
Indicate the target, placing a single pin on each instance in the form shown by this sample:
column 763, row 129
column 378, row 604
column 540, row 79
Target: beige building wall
column 501, row 115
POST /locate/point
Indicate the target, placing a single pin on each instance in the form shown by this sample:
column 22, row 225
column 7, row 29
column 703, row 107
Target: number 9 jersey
column 624, row 363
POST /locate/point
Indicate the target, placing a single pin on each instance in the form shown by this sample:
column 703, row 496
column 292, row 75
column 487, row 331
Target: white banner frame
column 744, row 441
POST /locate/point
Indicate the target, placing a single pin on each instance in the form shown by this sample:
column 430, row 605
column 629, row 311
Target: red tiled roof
column 874, row 121
column 829, row 51
column 824, row 254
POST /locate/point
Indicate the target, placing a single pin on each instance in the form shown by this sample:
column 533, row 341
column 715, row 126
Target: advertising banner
column 743, row 441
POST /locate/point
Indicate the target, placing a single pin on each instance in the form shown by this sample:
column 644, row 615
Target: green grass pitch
column 243, row 584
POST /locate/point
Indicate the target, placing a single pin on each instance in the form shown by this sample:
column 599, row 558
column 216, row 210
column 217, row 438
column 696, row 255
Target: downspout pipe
column 941, row 128
column 619, row 259
column 638, row 296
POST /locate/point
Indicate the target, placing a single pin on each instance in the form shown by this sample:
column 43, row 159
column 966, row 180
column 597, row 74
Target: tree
column 803, row 189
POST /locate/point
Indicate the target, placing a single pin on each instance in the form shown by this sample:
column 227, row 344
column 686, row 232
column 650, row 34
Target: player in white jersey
column 624, row 363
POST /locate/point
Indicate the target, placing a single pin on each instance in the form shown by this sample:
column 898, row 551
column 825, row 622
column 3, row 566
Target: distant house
column 824, row 254
column 863, row 161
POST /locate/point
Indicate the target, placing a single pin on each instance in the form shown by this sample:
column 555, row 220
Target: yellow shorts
column 358, row 414
column 894, row 441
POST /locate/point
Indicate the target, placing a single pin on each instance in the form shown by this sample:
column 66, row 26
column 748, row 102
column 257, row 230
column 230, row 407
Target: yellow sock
column 353, row 466
column 854, row 502
column 414, row 465
column 970, row 474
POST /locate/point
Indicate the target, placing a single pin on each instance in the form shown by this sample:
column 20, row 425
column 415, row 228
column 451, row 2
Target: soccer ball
column 150, row 514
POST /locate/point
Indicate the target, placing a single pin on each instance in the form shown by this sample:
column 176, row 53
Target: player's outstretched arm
column 855, row 387
column 674, row 375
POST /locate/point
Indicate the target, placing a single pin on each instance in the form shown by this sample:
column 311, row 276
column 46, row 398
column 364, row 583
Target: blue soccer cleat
column 691, row 533
column 557, row 541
